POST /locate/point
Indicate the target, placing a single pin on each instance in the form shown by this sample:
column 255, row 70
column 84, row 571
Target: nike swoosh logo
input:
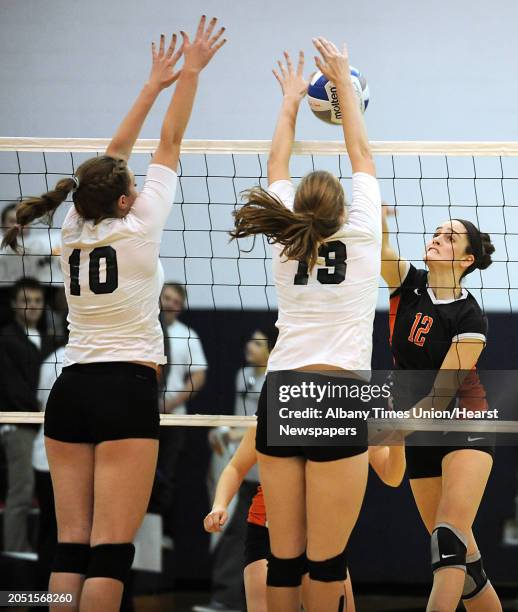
column 446, row 556
column 474, row 439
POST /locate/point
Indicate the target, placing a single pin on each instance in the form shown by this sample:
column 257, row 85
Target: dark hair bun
column 488, row 248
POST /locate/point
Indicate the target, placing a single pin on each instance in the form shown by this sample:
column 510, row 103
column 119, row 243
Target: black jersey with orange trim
column 423, row 328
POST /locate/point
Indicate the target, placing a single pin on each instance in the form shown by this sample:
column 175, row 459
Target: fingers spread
column 289, row 63
column 201, row 26
column 216, row 36
column 217, row 47
column 317, row 43
column 282, row 69
column 162, row 44
column 185, row 39
column 326, row 46
column 174, row 59
column 210, row 29
column 172, row 45
column 300, row 65
column 319, row 63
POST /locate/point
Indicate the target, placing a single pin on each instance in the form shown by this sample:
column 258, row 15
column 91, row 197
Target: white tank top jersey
column 113, row 278
column 326, row 317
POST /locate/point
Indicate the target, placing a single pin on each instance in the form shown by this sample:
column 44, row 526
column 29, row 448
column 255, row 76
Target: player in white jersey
column 102, row 420
column 326, row 263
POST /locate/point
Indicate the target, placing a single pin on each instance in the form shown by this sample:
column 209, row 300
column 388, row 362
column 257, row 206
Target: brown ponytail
column 36, row 208
column 318, row 212
column 97, row 185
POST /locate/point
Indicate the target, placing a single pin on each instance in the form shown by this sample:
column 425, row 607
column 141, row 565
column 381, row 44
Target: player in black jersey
column 437, row 326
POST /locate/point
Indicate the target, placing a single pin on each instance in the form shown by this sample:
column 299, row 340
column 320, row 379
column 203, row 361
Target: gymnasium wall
column 437, row 71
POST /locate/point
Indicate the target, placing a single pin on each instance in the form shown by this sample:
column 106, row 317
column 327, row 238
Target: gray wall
column 437, row 70
column 441, row 71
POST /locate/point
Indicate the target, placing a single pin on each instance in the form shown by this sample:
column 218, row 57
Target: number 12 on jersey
column 111, row 282
column 338, row 262
column 421, row 326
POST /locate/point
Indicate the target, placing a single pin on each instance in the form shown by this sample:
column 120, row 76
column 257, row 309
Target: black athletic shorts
column 311, row 452
column 94, row 402
column 426, row 461
column 257, row 543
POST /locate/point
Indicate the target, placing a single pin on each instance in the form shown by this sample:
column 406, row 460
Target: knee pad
column 71, row 558
column 329, row 570
column 449, row 547
column 476, row 579
column 286, row 572
column 111, row 561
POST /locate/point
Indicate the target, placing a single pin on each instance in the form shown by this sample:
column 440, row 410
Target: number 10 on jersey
column 111, row 282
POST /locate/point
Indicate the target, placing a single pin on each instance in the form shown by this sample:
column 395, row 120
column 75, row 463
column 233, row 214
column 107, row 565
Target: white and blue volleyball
column 323, row 99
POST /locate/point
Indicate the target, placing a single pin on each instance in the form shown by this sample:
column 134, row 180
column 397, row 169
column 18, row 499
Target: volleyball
column 323, row 99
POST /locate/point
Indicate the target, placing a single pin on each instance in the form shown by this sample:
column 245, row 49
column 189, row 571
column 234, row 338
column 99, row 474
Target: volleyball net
column 229, row 285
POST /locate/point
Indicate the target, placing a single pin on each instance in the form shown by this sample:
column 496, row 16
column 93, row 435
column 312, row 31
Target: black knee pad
column 71, row 557
column 449, row 547
column 286, row 572
column 111, row 561
column 329, row 570
column 476, row 579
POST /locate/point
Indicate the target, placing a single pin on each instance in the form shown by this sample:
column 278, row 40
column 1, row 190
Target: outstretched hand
column 162, row 70
column 331, row 63
column 205, row 45
column 292, row 81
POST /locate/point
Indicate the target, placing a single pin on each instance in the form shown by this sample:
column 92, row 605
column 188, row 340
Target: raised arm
column 230, row 481
column 294, row 88
column 162, row 75
column 335, row 67
column 393, row 268
column 197, row 54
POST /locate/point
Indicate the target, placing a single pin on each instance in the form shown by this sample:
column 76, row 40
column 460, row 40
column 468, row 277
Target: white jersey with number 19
column 326, row 316
column 113, row 278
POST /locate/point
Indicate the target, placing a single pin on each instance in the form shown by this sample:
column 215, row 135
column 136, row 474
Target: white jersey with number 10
column 113, row 278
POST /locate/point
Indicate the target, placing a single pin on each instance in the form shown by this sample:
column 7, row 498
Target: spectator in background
column 21, row 350
column 47, row 529
column 183, row 377
column 227, row 576
column 37, row 259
